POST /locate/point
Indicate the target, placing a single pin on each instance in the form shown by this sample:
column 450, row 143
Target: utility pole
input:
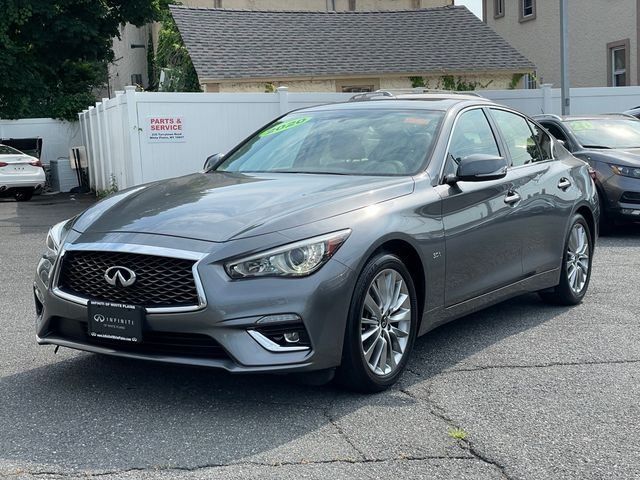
column 564, row 57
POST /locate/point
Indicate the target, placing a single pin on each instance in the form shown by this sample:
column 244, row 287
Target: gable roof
column 245, row 44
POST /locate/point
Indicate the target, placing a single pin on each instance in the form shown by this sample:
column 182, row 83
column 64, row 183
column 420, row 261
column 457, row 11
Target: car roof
column 567, row 118
column 418, row 93
column 424, row 100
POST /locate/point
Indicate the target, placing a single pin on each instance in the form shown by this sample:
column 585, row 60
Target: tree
column 55, row 52
column 173, row 58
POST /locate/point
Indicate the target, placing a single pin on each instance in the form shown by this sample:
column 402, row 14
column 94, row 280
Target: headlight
column 632, row 172
column 294, row 260
column 55, row 237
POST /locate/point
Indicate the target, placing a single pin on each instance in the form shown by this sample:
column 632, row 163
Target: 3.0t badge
column 118, row 275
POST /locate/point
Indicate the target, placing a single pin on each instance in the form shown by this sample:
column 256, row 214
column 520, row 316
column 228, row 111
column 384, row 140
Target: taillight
column 592, row 173
column 3, row 164
column 35, row 163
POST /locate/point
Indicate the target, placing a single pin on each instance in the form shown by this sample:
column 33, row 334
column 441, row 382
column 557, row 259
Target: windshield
column 353, row 142
column 607, row 133
column 4, row 150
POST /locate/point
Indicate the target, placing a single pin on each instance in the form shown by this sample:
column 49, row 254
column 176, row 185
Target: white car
column 20, row 174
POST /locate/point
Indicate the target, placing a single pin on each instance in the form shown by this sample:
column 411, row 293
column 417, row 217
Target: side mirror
column 212, row 162
column 479, row 167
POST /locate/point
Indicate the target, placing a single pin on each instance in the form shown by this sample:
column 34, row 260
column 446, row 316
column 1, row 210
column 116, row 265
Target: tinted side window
column 472, row 134
column 520, row 140
column 543, row 140
column 555, row 131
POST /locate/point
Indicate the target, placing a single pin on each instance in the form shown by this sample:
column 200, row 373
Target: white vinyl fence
column 57, row 136
column 583, row 100
column 139, row 137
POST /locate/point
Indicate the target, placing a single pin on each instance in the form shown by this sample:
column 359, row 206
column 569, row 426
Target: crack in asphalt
column 440, row 412
column 437, row 410
column 465, row 443
column 327, row 414
column 530, row 366
column 404, row 458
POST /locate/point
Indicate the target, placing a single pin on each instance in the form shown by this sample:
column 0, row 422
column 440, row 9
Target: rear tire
column 24, row 194
column 381, row 327
column 576, row 266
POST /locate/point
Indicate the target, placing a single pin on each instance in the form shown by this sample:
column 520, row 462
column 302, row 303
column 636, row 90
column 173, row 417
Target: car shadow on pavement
column 89, row 412
column 83, row 412
column 629, row 232
column 42, row 211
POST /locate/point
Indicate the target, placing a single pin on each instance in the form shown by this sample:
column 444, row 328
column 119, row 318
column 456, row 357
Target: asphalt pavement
column 521, row 390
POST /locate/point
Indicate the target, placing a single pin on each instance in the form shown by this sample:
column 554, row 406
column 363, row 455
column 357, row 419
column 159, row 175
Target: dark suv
column 611, row 145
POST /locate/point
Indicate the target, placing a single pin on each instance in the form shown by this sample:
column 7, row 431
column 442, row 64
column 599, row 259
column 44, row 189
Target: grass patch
column 457, row 433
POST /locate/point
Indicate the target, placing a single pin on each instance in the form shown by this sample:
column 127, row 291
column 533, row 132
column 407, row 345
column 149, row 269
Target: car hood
column 625, row 157
column 221, row 206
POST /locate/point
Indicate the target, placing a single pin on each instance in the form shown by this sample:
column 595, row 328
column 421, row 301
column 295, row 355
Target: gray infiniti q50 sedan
column 326, row 242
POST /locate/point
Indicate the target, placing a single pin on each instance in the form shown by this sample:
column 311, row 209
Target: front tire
column 576, row 266
column 381, row 328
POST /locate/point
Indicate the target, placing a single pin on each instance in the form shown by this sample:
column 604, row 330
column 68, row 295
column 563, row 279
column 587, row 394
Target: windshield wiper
column 308, row 172
column 598, row 146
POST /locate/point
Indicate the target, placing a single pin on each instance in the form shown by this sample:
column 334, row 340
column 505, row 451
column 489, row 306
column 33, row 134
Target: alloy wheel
column 578, row 258
column 385, row 322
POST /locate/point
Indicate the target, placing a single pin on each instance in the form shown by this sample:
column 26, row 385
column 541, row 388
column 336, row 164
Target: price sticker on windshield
column 578, row 125
column 281, row 127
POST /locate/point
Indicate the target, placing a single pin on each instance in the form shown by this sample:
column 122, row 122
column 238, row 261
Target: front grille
column 153, row 343
column 160, row 281
column 630, row 197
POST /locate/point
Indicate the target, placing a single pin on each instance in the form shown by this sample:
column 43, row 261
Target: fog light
column 292, row 337
column 282, row 337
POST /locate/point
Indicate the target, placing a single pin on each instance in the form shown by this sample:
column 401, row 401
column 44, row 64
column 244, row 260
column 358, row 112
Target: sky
column 474, row 5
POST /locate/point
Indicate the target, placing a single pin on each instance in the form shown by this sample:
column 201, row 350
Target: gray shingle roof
column 243, row 44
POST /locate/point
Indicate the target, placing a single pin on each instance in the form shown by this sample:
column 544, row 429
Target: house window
column 352, row 5
column 356, row 88
column 331, row 5
column 357, row 85
column 619, row 71
column 498, row 8
column 136, row 79
column 527, row 10
column 217, row 3
column 618, row 63
column 416, row 4
column 529, row 81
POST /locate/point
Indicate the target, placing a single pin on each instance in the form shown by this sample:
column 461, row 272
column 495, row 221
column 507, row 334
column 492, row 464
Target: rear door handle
column 512, row 198
column 564, row 183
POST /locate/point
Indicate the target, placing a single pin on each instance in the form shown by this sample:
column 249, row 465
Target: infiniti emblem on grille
column 122, row 276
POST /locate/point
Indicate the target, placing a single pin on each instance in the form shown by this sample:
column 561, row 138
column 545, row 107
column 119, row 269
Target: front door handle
column 512, row 198
column 564, row 183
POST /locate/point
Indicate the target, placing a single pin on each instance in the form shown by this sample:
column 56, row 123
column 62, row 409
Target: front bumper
column 622, row 198
column 231, row 310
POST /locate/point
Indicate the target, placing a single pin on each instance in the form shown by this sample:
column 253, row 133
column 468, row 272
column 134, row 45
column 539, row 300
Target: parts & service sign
column 165, row 129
